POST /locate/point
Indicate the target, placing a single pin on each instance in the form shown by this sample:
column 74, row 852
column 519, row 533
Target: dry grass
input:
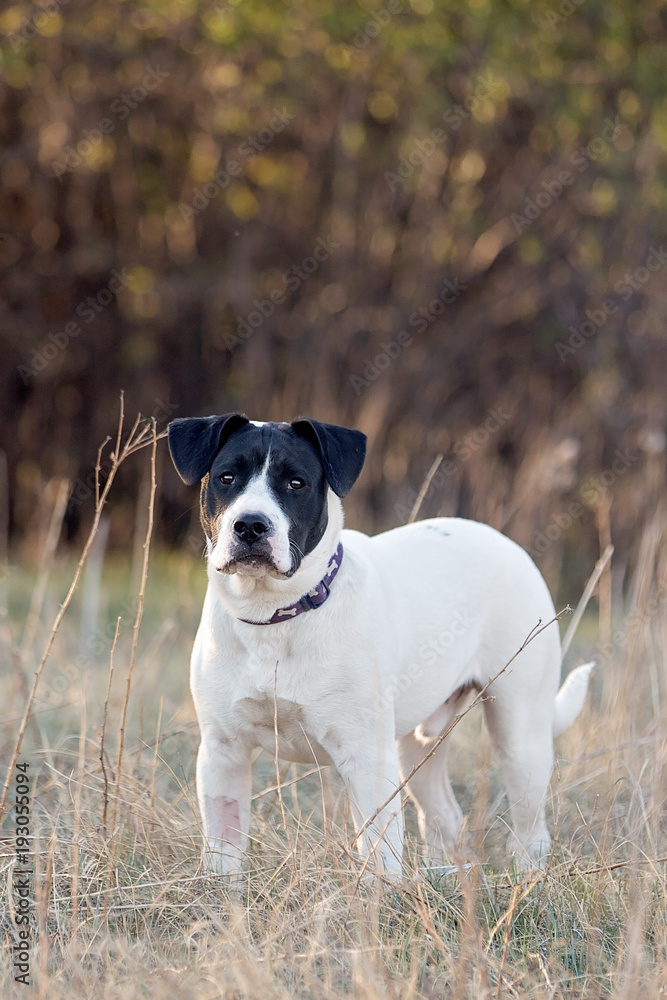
column 121, row 907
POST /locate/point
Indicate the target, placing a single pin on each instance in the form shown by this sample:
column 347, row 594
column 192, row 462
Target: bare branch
column 534, row 632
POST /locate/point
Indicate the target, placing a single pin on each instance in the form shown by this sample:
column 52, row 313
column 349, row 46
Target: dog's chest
column 269, row 723
column 249, row 690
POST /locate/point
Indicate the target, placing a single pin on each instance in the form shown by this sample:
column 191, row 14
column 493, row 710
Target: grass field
column 120, row 905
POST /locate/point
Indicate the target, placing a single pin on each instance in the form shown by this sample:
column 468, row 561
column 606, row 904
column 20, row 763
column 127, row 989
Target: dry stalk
column 48, row 551
column 137, row 622
column 533, row 634
column 285, row 784
column 283, row 813
column 585, row 598
column 138, row 439
column 603, row 522
column 471, row 934
column 424, row 487
column 77, row 818
column 425, row 917
column 317, row 770
column 151, row 799
column 43, row 886
column 519, row 893
column 37, row 600
column 624, row 864
column 105, row 777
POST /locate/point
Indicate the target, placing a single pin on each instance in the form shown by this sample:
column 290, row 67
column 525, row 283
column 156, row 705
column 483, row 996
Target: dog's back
column 461, row 598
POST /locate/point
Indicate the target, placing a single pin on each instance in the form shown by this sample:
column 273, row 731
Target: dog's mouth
column 253, row 564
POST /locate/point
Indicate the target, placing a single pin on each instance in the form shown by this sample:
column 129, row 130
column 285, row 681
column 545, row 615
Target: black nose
column 251, row 527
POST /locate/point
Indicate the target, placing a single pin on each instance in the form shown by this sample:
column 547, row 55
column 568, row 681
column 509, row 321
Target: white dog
column 363, row 649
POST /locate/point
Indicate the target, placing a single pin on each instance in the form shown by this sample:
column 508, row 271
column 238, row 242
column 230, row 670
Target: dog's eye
column 227, row 478
column 296, row 483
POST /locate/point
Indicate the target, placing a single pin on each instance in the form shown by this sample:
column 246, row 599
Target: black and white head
column 264, row 486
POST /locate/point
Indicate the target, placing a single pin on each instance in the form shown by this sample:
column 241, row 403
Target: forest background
column 439, row 223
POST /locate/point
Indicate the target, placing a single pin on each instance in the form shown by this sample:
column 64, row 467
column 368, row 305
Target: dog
column 333, row 647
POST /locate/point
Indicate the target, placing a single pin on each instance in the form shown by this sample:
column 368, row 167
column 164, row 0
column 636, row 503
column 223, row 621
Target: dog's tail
column 570, row 699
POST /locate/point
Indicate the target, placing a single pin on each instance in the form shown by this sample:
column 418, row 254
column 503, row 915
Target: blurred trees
column 428, row 220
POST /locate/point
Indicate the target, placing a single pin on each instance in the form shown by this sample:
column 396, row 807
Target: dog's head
column 264, row 486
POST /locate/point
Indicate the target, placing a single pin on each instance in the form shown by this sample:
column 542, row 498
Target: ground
column 120, row 905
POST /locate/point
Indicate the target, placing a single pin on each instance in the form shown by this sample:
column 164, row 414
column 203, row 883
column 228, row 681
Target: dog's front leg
column 223, row 790
column 371, row 779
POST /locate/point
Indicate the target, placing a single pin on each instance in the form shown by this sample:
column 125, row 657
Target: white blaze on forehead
column 257, row 497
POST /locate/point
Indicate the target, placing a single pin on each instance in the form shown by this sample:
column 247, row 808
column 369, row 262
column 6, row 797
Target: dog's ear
column 195, row 441
column 343, row 451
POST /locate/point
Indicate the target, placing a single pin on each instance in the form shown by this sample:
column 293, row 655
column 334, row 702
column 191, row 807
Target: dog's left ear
column 195, row 441
column 343, row 451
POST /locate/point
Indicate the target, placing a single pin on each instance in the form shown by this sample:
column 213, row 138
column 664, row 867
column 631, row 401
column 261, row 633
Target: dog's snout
column 252, row 527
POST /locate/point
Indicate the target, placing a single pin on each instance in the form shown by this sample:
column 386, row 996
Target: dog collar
column 315, row 598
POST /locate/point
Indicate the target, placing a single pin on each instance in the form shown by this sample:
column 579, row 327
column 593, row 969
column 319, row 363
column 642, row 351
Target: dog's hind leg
column 523, row 738
column 438, row 813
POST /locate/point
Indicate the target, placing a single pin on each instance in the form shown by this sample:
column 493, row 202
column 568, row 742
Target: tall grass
column 122, row 908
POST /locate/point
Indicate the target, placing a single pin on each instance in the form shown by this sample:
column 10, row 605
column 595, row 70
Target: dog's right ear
column 195, row 441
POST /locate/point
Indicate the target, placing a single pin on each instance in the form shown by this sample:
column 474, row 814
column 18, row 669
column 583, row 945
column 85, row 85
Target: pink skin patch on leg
column 223, row 814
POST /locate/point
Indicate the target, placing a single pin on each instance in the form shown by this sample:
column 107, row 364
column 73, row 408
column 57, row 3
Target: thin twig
column 619, row 864
column 534, row 632
column 98, row 460
column 285, row 784
column 104, row 726
column 81, row 771
column 532, row 879
column 48, row 551
column 424, row 487
column 585, row 598
column 283, row 812
column 58, row 620
column 151, row 798
column 137, row 624
column 138, row 438
column 122, row 415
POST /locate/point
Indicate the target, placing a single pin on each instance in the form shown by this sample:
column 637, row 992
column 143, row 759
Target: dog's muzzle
column 250, row 550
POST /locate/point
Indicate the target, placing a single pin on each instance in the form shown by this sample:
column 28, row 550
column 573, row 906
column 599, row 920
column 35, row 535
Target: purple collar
column 313, row 599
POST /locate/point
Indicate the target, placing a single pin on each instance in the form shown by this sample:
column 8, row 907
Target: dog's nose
column 251, row 527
